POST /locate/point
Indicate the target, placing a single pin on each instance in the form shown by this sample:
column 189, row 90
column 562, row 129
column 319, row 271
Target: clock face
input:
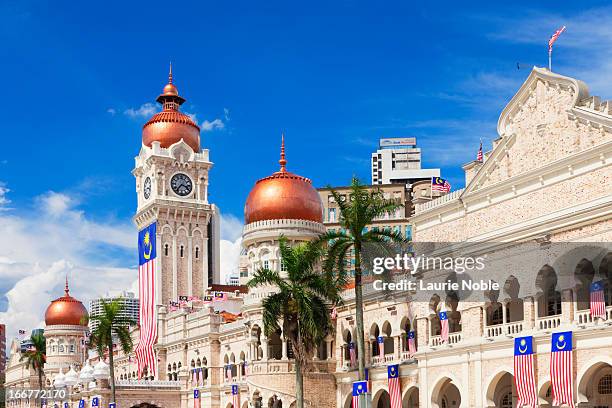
column 181, row 184
column 147, row 188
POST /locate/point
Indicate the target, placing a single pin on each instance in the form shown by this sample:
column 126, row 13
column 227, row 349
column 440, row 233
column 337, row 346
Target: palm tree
column 112, row 324
column 36, row 356
column 301, row 303
column 356, row 214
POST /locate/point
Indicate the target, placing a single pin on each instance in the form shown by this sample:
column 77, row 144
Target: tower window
column 197, row 253
column 166, row 250
column 266, row 264
column 182, row 248
column 605, row 385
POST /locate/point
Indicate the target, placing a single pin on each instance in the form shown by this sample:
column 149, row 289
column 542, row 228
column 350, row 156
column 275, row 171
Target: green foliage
column 357, row 213
column 35, row 358
column 303, row 298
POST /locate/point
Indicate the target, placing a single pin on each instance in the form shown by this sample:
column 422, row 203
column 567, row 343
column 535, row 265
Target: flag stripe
column 598, row 303
column 525, row 380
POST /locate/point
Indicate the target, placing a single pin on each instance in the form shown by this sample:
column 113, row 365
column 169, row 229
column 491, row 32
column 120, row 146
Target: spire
column 66, row 290
column 170, row 98
column 282, row 161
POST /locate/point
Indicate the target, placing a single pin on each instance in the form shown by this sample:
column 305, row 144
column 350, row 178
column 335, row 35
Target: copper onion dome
column 283, row 195
column 66, row 311
column 170, row 125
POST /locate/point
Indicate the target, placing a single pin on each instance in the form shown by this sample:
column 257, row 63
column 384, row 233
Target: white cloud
column 55, row 204
column 207, row 125
column 231, row 227
column 226, row 114
column 3, row 199
column 144, row 111
column 583, row 51
column 111, row 111
column 230, row 258
column 39, row 247
column 230, row 245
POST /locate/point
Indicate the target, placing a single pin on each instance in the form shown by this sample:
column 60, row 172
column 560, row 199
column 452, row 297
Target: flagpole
column 550, row 59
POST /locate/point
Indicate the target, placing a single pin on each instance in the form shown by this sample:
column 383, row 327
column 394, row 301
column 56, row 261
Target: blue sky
column 335, row 76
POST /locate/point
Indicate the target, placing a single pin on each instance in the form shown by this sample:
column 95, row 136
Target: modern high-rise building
column 398, row 161
column 127, row 299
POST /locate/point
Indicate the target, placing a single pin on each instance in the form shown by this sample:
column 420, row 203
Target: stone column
column 567, row 306
column 398, row 348
column 504, row 313
column 204, row 263
column 174, row 270
column 328, row 345
column 422, row 332
column 264, row 346
column 529, row 312
column 189, row 266
column 284, row 356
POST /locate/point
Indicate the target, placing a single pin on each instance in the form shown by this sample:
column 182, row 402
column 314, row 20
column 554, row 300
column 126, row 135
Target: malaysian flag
column 411, row 344
column 443, row 326
column 235, row 396
column 228, row 373
column 359, row 388
column 598, row 300
column 194, row 377
column 554, row 37
column 353, row 354
column 196, row 399
column 524, row 377
column 381, row 346
column 479, row 156
column 81, row 403
column 220, row 296
column 43, row 403
column 561, row 369
column 440, row 184
column 145, row 355
column 394, row 386
column 95, row 402
column 201, row 377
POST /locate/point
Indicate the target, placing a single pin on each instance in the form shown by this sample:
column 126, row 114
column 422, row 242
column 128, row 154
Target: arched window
column 181, row 251
column 166, row 249
column 506, row 401
column 197, row 253
column 605, row 385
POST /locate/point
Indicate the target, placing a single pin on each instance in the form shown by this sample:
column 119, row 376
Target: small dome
column 66, row 311
column 86, row 374
column 58, row 381
column 171, row 125
column 283, row 196
column 101, row 370
column 71, row 377
column 170, row 89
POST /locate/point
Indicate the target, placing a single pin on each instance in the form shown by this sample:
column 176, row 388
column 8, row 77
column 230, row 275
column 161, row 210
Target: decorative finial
column 66, row 288
column 170, row 74
column 282, row 161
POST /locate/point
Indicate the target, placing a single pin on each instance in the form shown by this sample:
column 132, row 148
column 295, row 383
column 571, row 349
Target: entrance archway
column 501, row 391
column 595, row 385
column 411, row 398
column 381, row 400
column 446, row 394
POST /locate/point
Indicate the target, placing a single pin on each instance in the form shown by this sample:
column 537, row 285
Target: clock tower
column 171, row 175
